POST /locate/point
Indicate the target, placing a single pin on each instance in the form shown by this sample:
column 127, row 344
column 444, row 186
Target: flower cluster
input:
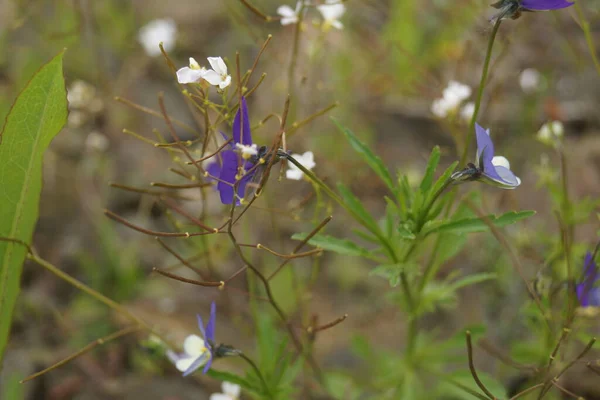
column 217, row 76
column 452, row 98
column 331, row 12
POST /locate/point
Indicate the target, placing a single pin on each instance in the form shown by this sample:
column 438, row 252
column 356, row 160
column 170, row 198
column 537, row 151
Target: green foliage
column 340, row 246
column 37, row 115
column 370, row 158
column 470, row 225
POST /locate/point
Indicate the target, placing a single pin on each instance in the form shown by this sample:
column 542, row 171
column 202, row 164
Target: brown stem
column 220, row 284
column 473, row 370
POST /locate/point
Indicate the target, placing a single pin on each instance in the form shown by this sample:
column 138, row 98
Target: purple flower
column 235, row 167
column 494, row 170
column 513, row 8
column 587, row 294
column 197, row 351
column 544, row 5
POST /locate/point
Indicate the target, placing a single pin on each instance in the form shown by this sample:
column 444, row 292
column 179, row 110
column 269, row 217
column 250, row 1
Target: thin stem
column 258, row 373
column 527, row 391
column 89, row 347
column 484, row 75
column 473, row 370
column 585, row 26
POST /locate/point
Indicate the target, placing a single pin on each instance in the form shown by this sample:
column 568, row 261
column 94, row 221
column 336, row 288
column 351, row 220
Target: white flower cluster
column 331, row 12
column 452, row 98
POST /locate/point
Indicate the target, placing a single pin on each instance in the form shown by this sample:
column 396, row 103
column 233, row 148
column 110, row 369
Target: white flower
column 452, row 97
column 529, row 80
column 456, row 92
column 191, row 74
column 551, row 133
column 332, row 11
column 96, row 141
column 467, row 111
column 306, row 160
column 218, row 75
column 156, row 31
column 231, row 391
column 247, row 151
column 193, row 348
column 289, row 16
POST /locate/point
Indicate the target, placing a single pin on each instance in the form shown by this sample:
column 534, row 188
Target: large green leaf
column 372, row 160
column 36, row 117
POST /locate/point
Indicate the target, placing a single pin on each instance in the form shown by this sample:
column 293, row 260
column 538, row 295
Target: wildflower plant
column 413, row 239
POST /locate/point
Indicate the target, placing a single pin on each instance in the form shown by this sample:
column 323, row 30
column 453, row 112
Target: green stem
column 585, row 26
column 484, row 76
column 258, row 373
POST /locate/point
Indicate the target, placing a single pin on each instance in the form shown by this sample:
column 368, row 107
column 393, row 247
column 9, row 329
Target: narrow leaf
column 469, row 225
column 36, row 117
column 340, row 246
column 358, row 208
column 372, row 160
column 432, row 164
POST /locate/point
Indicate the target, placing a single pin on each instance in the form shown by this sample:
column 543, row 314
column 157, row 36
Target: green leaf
column 357, row 207
column 372, row 160
column 476, row 224
column 392, row 272
column 471, row 280
column 233, row 378
column 36, row 117
column 405, row 232
column 434, row 160
column 340, row 246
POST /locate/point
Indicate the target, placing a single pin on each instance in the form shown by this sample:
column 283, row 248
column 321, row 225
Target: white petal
column 212, row 77
column 224, row 83
column 193, row 346
column 156, row 31
column 220, row 396
column 306, row 159
column 336, row 24
column 184, row 363
column 499, row 161
column 188, row 75
column 218, row 65
column 286, row 11
column 289, row 20
column 467, row 111
column 294, row 174
column 231, row 389
column 194, row 64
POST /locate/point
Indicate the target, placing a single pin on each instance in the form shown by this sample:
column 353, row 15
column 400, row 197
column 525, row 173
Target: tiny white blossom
column 466, row 113
column 289, row 16
column 457, row 92
column 191, row 74
column 529, row 80
column 96, row 141
column 193, row 347
column 332, row 11
column 218, row 75
column 306, row 160
column 452, row 97
column 551, row 133
column 80, row 94
column 247, row 151
column 231, row 391
column 156, row 31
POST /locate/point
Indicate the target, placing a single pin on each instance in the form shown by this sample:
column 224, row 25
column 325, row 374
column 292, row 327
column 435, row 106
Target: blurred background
column 385, row 68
